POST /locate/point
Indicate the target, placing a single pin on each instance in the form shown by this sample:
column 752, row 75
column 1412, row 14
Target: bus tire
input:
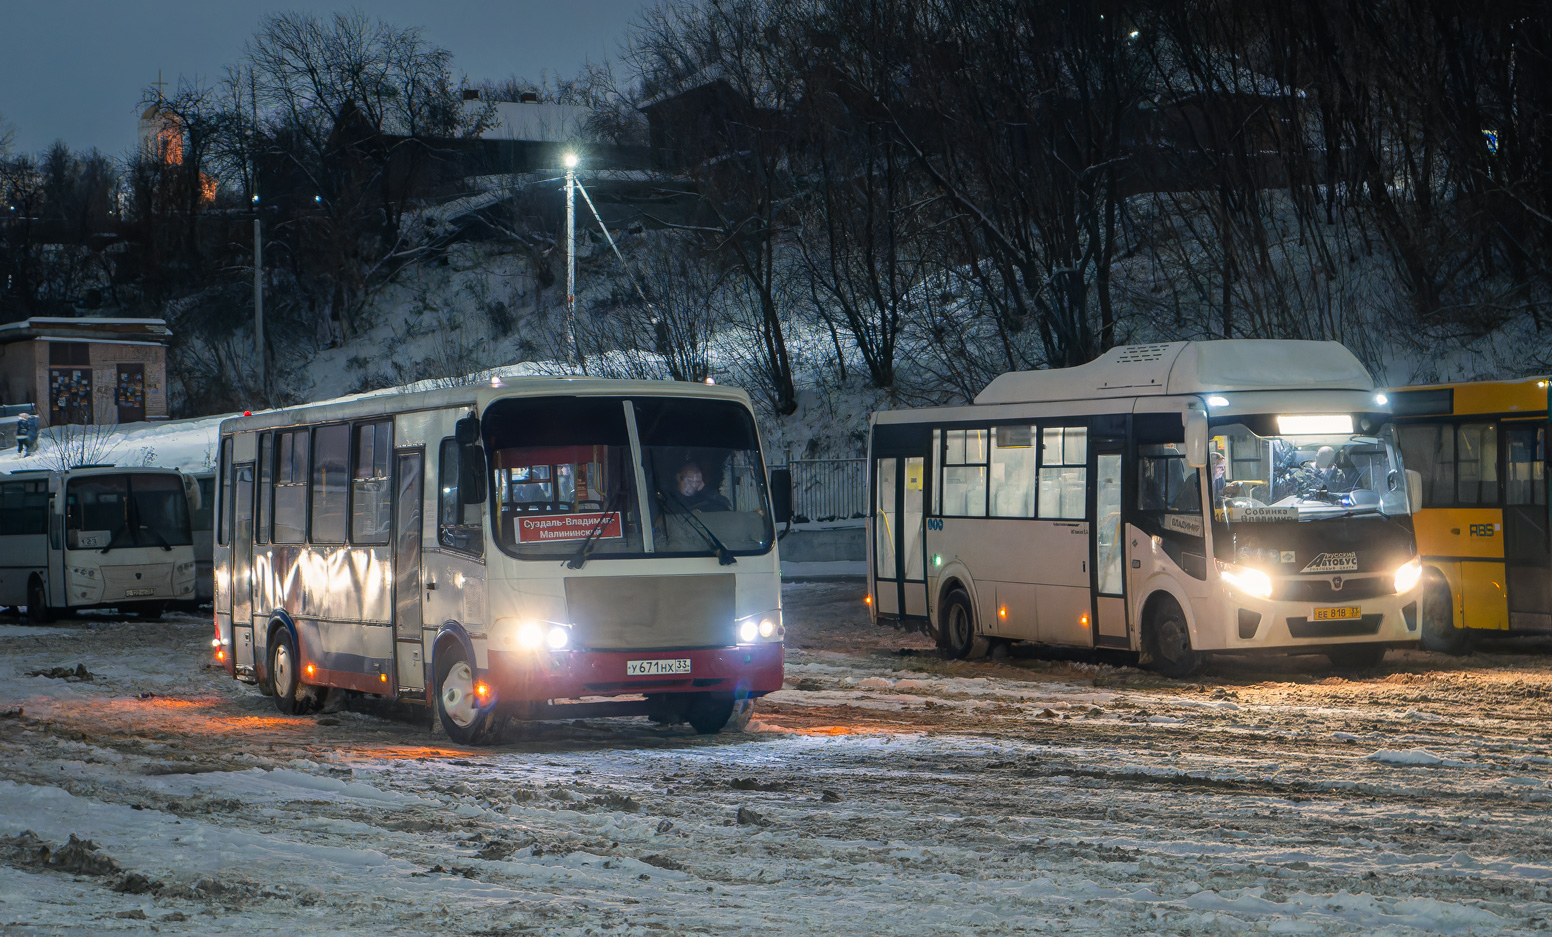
column 285, row 674
column 38, row 611
column 456, row 704
column 1167, row 639
column 1439, row 631
column 710, row 713
column 958, row 627
column 1356, row 658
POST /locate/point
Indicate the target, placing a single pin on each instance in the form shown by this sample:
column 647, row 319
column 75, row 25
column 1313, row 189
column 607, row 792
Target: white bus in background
column 96, row 537
column 1169, row 500
column 548, row 548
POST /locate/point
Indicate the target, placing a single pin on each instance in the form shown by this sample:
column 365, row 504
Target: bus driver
column 691, row 491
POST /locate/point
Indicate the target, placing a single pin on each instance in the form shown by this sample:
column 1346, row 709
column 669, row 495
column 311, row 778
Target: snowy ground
column 883, row 791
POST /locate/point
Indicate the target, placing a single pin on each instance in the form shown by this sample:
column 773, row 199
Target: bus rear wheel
column 1167, row 638
column 38, row 611
column 458, row 706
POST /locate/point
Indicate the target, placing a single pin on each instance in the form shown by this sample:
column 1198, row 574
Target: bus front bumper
column 1254, row 623
column 538, row 676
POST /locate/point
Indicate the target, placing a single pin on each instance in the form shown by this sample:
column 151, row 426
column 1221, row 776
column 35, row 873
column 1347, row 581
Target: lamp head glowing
column 570, row 159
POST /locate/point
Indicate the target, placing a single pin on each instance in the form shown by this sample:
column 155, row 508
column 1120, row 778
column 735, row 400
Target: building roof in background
column 86, row 329
column 533, row 122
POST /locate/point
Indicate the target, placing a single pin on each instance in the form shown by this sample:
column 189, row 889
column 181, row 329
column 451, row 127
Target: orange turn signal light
column 220, row 655
column 867, row 600
column 382, row 677
column 310, row 670
column 481, row 689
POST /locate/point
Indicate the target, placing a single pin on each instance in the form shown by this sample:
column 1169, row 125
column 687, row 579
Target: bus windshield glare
column 128, row 510
column 1304, row 476
column 565, row 479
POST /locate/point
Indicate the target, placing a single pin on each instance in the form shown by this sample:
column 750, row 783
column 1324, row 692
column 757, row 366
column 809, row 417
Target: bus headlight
column 559, row 637
column 761, row 627
column 748, row 631
column 184, row 569
column 1252, row 582
column 1408, row 574
column 530, row 635
column 767, row 628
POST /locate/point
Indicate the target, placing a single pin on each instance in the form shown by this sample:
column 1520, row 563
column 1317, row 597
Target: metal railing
column 829, row 489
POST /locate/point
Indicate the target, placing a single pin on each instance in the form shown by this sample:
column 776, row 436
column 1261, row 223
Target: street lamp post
column 258, row 291
column 571, row 255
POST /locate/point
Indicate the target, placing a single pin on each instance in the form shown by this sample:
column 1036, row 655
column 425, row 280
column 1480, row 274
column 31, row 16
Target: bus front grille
column 134, row 581
column 636, row 612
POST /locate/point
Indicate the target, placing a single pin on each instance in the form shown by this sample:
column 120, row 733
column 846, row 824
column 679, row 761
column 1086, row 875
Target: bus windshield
column 126, row 510
column 1304, row 475
column 565, row 479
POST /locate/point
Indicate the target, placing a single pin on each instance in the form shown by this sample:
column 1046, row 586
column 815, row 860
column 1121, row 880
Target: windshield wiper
column 579, row 559
column 112, row 539
column 152, row 531
column 725, row 556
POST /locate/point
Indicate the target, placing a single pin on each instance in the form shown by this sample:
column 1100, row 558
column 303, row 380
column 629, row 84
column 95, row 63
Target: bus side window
column 1429, row 450
column 331, row 459
column 224, row 509
column 1165, row 482
column 458, row 524
column 1476, row 455
column 291, row 487
column 1064, row 455
column 371, row 503
column 964, row 473
column 1524, row 475
column 266, row 487
column 24, row 508
column 1013, row 471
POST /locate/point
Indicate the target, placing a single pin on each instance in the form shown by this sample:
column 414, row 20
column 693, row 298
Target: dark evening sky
column 74, row 70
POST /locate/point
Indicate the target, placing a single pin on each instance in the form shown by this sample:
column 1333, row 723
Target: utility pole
column 258, row 295
column 571, row 255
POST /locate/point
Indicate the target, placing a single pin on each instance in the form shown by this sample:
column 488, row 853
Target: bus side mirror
column 1414, row 489
column 1196, row 438
column 781, row 494
column 191, row 489
column 467, row 430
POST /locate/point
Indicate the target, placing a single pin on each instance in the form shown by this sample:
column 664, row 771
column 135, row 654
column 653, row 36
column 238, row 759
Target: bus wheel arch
column 1438, row 631
column 1166, row 636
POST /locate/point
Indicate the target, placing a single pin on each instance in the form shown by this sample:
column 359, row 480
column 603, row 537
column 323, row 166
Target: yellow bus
column 1482, row 529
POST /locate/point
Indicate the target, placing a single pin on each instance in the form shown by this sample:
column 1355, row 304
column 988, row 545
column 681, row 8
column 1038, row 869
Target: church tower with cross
column 161, row 133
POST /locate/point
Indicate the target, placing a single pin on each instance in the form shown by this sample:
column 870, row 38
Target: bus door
column 242, row 554
column 1527, row 545
column 407, row 519
column 1106, row 553
column 899, row 558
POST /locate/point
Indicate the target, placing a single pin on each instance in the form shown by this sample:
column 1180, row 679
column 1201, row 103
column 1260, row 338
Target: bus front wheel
column 1167, row 639
column 285, row 676
column 38, row 611
column 710, row 713
column 1439, row 631
column 958, row 627
column 459, row 710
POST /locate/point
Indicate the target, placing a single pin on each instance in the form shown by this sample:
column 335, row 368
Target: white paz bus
column 548, row 548
column 96, row 537
column 1170, row 500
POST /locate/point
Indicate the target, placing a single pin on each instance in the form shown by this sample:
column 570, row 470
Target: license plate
column 657, row 668
column 134, row 592
column 1337, row 614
